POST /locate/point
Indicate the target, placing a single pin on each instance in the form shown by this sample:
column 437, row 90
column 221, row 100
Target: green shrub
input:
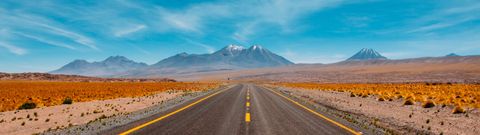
column 408, row 102
column 28, row 105
column 428, row 104
column 67, row 101
column 458, row 110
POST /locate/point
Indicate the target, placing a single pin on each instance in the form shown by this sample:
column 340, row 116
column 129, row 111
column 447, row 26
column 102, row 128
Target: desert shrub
column 44, row 93
column 441, row 94
column 102, row 117
column 352, row 95
column 67, row 101
column 428, row 104
column 28, row 105
column 408, row 102
column 381, row 99
column 458, row 110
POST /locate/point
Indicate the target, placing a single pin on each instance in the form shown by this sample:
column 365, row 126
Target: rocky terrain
column 391, row 115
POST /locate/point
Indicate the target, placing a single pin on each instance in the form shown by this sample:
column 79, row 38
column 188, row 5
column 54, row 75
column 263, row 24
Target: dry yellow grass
column 463, row 95
column 15, row 93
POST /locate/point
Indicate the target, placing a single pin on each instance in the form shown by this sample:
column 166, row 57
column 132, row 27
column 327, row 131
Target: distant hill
column 452, row 55
column 367, row 54
column 461, row 69
column 111, row 66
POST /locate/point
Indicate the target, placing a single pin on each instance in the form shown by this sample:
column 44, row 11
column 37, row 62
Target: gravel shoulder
column 392, row 117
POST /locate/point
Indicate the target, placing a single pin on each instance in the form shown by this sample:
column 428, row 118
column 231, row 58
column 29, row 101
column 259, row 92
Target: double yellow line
column 168, row 115
column 318, row 114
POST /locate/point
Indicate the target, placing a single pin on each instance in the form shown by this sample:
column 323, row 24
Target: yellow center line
column 247, row 117
column 318, row 114
column 170, row 114
column 247, row 114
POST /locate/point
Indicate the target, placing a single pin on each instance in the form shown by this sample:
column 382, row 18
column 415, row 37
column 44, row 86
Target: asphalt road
column 226, row 114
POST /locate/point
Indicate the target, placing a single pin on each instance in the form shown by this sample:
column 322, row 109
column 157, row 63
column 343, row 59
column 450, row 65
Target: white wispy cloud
column 193, row 18
column 469, row 7
column 78, row 38
column 130, row 30
column 30, row 22
column 440, row 25
column 14, row 49
column 207, row 48
column 46, row 41
column 282, row 13
column 183, row 22
column 196, row 18
column 446, row 16
column 244, row 31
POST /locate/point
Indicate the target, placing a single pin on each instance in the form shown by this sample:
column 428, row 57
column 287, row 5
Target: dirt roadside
column 393, row 115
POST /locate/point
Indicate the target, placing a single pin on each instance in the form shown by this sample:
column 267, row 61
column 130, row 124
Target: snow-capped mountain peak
column 367, row 54
column 256, row 47
column 230, row 50
column 235, row 47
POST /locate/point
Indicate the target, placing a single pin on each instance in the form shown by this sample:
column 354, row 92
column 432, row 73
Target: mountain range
column 110, row 66
column 231, row 57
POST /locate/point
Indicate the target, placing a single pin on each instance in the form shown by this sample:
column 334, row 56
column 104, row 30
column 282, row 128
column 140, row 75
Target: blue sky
column 42, row 36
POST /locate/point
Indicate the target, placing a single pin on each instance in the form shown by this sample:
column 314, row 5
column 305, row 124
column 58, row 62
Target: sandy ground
column 394, row 115
column 41, row 119
column 441, row 69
